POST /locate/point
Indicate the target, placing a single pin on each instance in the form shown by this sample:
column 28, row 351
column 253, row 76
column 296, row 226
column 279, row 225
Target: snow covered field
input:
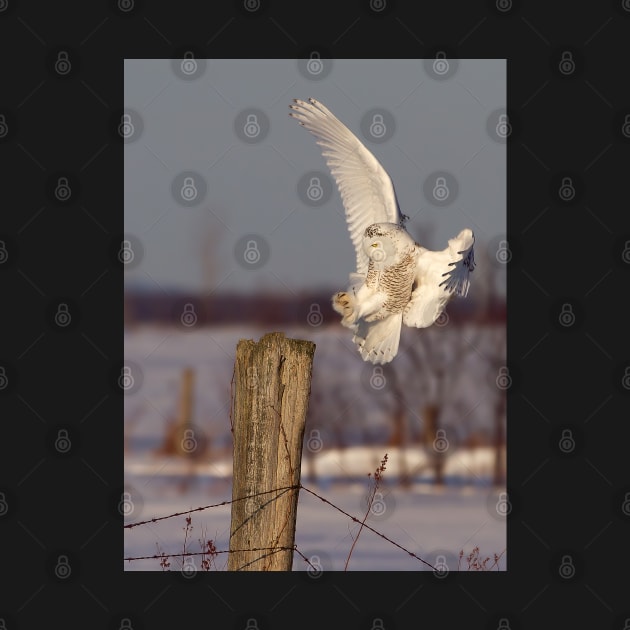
column 426, row 520
column 433, row 523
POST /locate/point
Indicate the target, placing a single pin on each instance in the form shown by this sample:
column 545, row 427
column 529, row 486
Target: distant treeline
column 240, row 308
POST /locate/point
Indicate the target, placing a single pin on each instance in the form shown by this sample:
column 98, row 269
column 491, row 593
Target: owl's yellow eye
column 374, row 244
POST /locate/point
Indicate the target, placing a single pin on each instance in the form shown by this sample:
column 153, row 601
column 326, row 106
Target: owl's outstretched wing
column 439, row 276
column 366, row 189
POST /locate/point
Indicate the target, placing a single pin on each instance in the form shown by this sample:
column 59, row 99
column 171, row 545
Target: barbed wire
column 220, row 551
column 356, row 520
column 294, row 548
column 206, row 507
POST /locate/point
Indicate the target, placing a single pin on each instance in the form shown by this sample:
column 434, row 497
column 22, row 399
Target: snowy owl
column 397, row 281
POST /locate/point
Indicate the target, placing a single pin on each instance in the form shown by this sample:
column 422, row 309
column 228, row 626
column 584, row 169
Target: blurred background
column 234, row 228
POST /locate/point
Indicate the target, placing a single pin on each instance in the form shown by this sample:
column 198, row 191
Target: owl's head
column 385, row 243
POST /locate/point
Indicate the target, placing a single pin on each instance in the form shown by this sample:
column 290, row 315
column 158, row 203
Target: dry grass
column 474, row 561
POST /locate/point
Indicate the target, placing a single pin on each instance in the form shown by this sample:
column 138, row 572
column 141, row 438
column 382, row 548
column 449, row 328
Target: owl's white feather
column 365, row 187
column 397, row 281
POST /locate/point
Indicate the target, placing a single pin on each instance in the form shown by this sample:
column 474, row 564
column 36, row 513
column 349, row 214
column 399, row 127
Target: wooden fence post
column 272, row 384
column 175, row 430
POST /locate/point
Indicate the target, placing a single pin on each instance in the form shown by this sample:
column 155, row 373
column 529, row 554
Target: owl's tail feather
column 378, row 341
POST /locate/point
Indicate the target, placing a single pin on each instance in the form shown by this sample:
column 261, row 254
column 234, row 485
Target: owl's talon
column 342, row 303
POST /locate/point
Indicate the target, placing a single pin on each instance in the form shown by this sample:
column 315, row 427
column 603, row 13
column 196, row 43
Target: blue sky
column 249, row 195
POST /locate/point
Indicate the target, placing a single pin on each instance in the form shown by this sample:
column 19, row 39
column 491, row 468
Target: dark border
column 565, row 251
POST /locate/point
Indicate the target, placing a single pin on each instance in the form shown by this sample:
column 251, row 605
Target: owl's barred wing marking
column 366, row 189
column 439, row 276
column 457, row 279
